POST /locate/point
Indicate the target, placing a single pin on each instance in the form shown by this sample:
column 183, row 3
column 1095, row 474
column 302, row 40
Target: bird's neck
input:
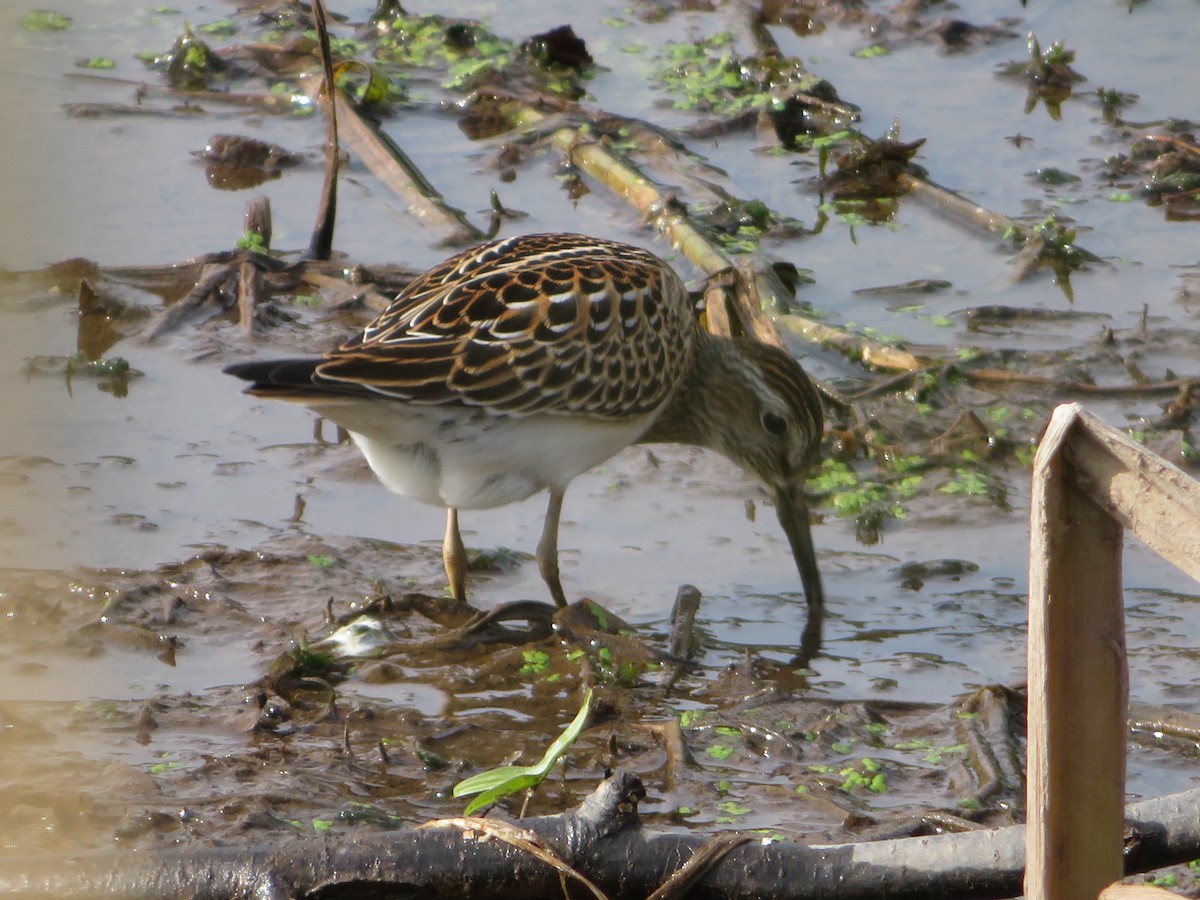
column 685, row 419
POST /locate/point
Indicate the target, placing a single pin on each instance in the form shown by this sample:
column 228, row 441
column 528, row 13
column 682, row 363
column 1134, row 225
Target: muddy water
column 183, row 464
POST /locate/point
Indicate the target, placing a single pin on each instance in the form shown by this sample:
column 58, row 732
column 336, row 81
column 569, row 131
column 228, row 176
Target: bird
column 516, row 365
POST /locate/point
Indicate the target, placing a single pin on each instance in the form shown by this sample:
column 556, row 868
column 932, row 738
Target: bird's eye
column 774, row 423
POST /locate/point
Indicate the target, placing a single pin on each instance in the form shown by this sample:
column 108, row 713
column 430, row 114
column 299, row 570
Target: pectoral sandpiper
column 519, row 364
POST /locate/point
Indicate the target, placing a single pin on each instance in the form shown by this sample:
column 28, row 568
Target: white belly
column 469, row 459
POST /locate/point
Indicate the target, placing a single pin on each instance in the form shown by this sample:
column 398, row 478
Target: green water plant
column 870, row 501
column 190, row 64
column 45, row 20
column 709, row 76
column 1048, row 73
column 505, row 781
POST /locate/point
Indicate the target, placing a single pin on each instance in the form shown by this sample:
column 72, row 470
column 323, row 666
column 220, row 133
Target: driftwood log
column 598, row 849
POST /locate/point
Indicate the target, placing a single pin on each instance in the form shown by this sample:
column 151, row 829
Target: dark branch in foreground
column 602, row 840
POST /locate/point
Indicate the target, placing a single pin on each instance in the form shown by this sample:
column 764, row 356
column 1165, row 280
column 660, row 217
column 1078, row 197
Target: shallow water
column 185, row 462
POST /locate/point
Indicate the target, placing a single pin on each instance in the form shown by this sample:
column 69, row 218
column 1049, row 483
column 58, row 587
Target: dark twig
column 321, row 245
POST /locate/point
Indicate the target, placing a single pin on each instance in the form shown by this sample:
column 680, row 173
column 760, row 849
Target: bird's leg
column 547, row 548
column 454, row 555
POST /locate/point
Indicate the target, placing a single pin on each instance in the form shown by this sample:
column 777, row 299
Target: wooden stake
column 1090, row 482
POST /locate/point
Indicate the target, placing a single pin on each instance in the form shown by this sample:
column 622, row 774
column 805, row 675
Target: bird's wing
column 540, row 323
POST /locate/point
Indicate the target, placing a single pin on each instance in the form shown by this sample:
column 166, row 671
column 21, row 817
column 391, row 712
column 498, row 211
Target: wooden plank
column 1157, row 501
column 1135, row 892
column 1078, row 691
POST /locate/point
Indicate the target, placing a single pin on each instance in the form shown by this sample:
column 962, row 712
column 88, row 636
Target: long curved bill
column 791, row 506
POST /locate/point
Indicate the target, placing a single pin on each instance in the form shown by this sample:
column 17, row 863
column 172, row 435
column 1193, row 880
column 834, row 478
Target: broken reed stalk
column 249, row 290
column 764, row 286
column 667, row 155
column 756, row 302
column 1024, row 264
column 634, row 188
column 256, row 221
column 716, row 309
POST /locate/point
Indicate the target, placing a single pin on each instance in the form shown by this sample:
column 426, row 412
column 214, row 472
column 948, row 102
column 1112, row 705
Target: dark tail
column 289, row 379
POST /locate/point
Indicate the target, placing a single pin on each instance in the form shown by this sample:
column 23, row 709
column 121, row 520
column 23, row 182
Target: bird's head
column 773, row 420
column 770, row 423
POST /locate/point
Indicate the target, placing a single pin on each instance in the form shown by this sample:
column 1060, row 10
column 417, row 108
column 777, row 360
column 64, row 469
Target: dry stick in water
column 871, row 353
column 944, row 199
column 958, row 207
column 388, row 162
